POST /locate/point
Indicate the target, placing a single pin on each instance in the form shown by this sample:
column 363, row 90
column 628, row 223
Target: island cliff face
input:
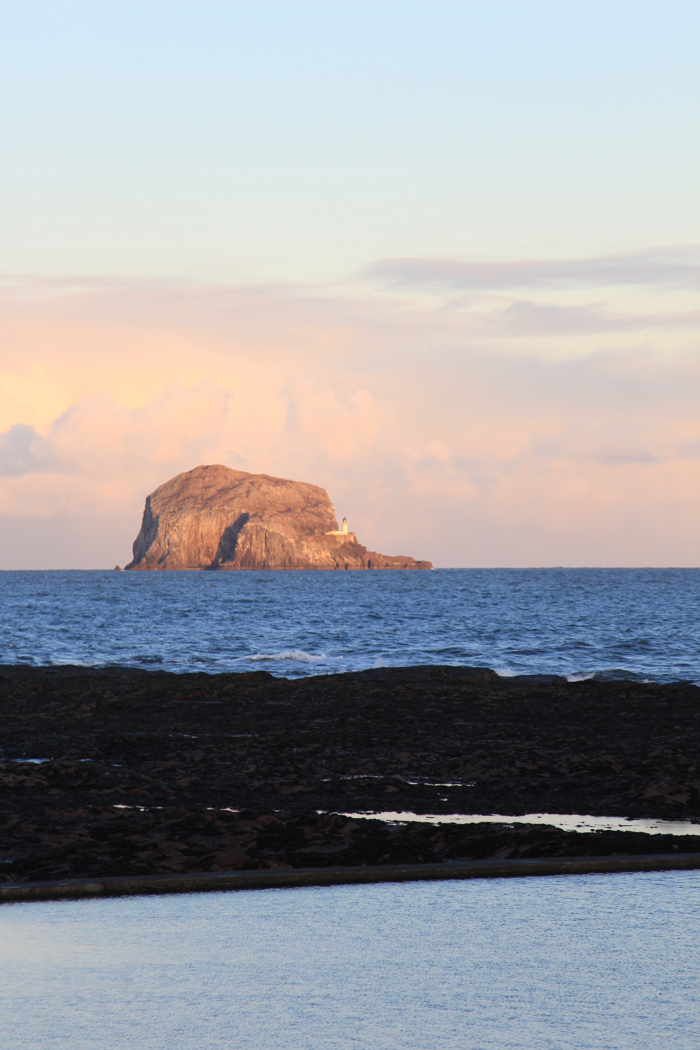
column 214, row 517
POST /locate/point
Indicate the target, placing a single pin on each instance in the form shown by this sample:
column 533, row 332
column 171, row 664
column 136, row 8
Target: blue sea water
column 583, row 962
column 624, row 623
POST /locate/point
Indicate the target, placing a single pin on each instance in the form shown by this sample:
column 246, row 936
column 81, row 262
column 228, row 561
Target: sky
column 441, row 258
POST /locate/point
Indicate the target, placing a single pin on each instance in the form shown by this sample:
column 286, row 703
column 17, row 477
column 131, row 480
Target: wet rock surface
column 154, row 772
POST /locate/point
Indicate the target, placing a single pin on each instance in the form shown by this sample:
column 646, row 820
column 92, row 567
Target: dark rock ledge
column 160, row 773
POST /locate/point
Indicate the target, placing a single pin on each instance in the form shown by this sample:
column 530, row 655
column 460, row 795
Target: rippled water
column 585, row 962
column 576, row 622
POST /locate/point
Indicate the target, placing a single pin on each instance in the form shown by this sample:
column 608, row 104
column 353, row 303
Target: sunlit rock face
column 214, row 517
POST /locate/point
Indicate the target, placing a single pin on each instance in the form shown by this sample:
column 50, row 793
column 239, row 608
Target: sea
column 582, row 962
column 641, row 624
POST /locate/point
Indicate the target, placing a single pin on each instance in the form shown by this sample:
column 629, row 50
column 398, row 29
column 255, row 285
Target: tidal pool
column 593, row 962
column 565, row 821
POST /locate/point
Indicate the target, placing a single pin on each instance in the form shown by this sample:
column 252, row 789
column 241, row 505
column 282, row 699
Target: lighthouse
column 343, row 534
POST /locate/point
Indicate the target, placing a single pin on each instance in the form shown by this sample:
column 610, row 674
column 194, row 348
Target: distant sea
column 605, row 623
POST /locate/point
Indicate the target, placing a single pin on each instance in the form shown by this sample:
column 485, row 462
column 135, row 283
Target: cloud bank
column 676, row 267
column 512, row 414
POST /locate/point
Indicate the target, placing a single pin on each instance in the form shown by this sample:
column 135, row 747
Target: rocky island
column 214, row 517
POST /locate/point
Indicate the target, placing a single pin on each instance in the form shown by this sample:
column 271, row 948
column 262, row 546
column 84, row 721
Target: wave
column 613, row 674
column 291, row 656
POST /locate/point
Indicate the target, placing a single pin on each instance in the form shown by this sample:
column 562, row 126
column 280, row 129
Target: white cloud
column 97, row 439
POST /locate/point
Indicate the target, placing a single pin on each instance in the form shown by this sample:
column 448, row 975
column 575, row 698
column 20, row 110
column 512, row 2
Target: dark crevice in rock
column 226, row 551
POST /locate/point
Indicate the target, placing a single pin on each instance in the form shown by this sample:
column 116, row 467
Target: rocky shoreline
column 149, row 772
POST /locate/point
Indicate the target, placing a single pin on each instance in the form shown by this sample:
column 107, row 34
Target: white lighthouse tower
column 343, row 534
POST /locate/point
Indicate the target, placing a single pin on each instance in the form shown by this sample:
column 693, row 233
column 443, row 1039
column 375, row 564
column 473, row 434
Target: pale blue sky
column 301, row 140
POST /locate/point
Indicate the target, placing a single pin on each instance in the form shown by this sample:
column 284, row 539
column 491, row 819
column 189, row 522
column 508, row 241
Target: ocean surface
column 608, row 623
column 583, row 962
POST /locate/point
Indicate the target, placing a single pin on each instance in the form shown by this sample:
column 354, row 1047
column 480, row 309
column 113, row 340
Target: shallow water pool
column 581, row 962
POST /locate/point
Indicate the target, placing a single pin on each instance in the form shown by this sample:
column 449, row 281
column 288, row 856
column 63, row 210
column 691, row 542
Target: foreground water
column 599, row 962
column 642, row 623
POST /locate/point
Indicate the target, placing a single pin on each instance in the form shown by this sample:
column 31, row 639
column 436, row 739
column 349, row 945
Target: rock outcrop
column 214, row 517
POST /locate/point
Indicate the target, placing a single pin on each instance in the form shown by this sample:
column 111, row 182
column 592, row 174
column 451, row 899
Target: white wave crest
column 293, row 656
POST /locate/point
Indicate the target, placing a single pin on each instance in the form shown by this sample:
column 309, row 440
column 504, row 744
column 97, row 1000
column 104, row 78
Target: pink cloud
column 437, row 432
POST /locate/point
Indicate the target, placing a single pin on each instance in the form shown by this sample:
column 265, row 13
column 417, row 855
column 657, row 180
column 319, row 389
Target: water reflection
column 566, row 821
